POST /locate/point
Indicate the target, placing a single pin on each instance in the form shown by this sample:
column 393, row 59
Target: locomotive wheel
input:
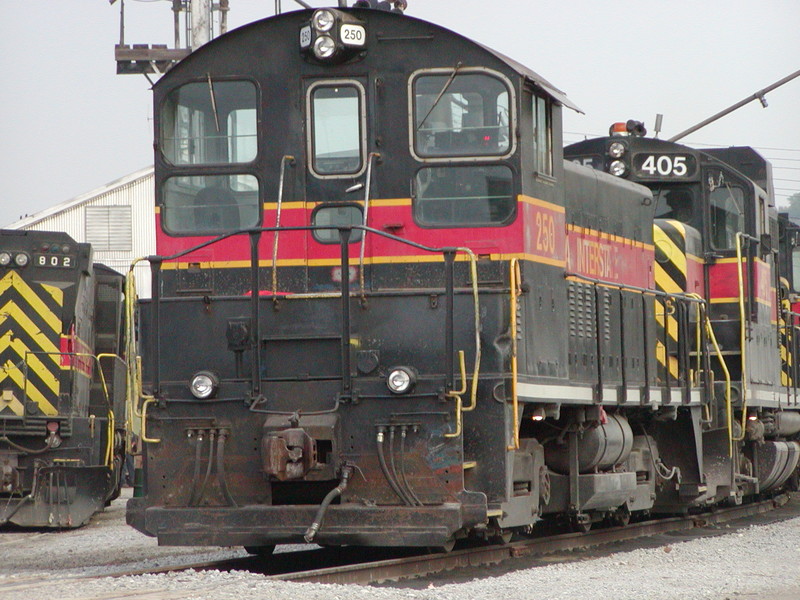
column 502, row 536
column 261, row 551
column 622, row 516
column 580, row 523
column 444, row 548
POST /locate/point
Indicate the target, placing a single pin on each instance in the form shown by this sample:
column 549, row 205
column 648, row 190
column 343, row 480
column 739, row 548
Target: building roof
column 81, row 199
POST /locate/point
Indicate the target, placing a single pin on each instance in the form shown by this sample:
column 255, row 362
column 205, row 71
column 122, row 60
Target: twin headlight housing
column 9, row 259
column 616, row 152
column 332, row 36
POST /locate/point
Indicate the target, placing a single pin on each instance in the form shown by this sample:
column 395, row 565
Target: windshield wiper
column 442, row 93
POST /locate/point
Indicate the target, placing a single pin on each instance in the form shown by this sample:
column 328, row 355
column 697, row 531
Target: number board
column 53, row 261
column 305, row 37
column 353, row 35
column 664, row 166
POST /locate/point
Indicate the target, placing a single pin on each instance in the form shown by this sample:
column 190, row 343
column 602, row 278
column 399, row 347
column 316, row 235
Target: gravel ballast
column 758, row 562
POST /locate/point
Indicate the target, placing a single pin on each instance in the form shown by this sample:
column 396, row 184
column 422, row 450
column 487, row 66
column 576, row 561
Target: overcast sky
column 70, row 124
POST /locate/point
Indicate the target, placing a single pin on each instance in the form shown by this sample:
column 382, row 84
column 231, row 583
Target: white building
column 118, row 219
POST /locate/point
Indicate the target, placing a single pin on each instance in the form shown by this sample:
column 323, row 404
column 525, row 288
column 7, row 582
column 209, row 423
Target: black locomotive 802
column 387, row 312
column 62, row 381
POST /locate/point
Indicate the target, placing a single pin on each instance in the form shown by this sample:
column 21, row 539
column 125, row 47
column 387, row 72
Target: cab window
column 209, row 204
column 334, row 216
column 726, row 202
column 463, row 196
column 674, row 202
column 210, row 123
column 542, row 136
column 459, row 114
column 337, row 136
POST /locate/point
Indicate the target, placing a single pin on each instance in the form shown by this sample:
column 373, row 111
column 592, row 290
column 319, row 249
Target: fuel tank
column 599, row 448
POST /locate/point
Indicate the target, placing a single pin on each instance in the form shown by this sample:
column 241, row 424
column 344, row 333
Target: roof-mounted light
column 333, row 36
column 323, row 20
column 616, row 149
column 324, row 47
column 617, row 168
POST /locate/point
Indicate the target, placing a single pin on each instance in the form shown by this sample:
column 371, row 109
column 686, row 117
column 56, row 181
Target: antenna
column 659, row 119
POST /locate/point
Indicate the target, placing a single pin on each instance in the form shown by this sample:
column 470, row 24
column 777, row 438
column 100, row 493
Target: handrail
column 287, row 159
column 721, row 358
column 370, row 161
column 743, row 320
column 515, row 278
column 456, row 395
column 345, row 231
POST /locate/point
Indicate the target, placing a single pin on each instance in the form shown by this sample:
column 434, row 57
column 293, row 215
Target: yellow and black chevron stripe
column 669, row 238
column 786, row 337
column 30, row 338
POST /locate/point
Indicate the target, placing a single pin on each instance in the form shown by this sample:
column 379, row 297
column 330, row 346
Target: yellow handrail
column 515, row 276
column 473, row 401
column 742, row 331
column 456, row 394
column 721, row 358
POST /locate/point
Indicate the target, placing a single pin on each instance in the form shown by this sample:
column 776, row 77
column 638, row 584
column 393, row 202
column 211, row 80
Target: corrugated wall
column 135, row 191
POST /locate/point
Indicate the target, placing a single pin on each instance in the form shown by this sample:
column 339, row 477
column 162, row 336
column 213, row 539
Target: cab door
column 337, row 166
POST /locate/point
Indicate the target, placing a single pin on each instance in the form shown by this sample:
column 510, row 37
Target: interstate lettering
column 594, row 259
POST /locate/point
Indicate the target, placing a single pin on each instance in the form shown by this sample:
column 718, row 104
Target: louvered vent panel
column 109, row 228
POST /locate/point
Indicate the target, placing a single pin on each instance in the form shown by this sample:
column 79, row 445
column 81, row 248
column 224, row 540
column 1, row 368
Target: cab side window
column 543, row 135
column 458, row 114
column 726, row 202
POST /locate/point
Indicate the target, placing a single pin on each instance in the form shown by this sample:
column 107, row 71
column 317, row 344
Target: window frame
column 355, row 236
column 536, row 99
column 215, row 81
column 164, row 208
column 362, row 122
column 448, row 71
column 730, row 183
column 510, row 218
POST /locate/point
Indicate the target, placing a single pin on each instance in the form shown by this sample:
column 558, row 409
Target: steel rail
column 428, row 564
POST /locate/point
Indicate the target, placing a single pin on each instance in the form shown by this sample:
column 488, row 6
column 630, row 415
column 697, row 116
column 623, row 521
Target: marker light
column 616, row 149
column 400, row 380
column 5, row 259
column 617, row 168
column 204, row 385
column 538, row 414
column 21, row 259
column 618, row 129
column 324, row 47
column 323, row 20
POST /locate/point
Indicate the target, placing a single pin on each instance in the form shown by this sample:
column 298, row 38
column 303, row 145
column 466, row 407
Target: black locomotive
column 387, row 311
column 62, row 381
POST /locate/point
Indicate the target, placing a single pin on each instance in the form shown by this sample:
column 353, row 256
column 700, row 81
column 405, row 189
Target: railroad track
column 428, row 564
column 360, row 566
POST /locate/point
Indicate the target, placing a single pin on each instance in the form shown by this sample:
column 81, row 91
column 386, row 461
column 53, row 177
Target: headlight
column 324, row 47
column 5, row 259
column 616, row 149
column 21, row 259
column 617, row 168
column 204, row 385
column 400, row 380
column 323, row 20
